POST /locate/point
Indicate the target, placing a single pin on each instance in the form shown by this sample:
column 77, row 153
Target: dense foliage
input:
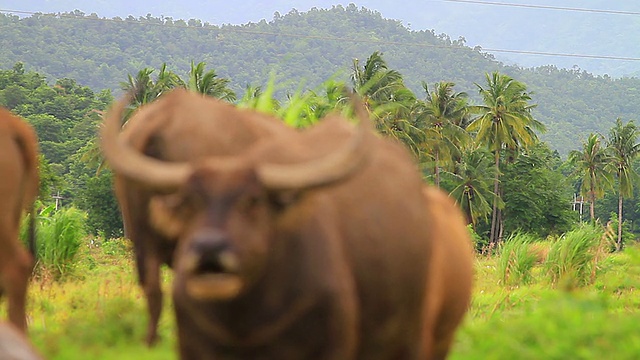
column 453, row 127
column 313, row 46
column 65, row 117
column 444, row 131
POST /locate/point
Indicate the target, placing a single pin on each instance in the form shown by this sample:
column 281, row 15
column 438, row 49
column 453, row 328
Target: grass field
column 96, row 311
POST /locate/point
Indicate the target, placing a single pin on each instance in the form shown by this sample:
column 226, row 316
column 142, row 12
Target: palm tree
column 208, row 83
column 141, row 86
column 396, row 118
column 145, row 89
column 623, row 149
column 166, row 80
column 439, row 116
column 374, row 81
column 472, row 180
column 504, row 123
column 386, row 97
column 593, row 165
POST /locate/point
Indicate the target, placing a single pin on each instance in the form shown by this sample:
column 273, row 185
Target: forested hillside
column 594, row 27
column 304, row 47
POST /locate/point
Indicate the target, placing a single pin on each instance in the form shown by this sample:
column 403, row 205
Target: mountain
column 577, row 27
column 304, row 49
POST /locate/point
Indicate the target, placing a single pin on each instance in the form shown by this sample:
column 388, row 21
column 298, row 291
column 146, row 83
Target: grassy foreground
column 97, row 311
column 541, row 321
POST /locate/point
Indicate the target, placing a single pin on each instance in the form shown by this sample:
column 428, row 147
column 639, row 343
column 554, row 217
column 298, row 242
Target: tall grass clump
column 59, row 235
column 572, row 258
column 516, row 260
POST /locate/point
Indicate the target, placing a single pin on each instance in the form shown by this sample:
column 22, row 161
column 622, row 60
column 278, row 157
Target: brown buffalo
column 313, row 245
column 18, row 191
column 451, row 271
column 180, row 126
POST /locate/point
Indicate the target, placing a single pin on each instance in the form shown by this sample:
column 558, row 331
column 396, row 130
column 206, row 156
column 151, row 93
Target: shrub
column 480, row 244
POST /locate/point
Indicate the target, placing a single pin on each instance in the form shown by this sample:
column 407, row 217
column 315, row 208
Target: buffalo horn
column 132, row 164
column 330, row 168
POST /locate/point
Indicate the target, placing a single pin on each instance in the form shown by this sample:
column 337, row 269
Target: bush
column 481, row 244
column 97, row 198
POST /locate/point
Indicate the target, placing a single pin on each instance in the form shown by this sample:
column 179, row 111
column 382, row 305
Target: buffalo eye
column 193, row 200
column 249, row 203
column 167, row 215
column 280, row 200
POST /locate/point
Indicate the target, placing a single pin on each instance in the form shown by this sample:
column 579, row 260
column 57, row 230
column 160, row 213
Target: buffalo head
column 224, row 210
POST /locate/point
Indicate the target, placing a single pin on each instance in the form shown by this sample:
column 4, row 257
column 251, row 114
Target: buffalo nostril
column 229, row 261
column 211, row 253
column 209, row 242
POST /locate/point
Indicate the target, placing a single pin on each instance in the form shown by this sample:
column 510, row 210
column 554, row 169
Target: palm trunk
column 592, row 199
column 437, row 170
column 467, row 212
column 619, row 243
column 500, row 218
column 493, row 235
column 500, row 226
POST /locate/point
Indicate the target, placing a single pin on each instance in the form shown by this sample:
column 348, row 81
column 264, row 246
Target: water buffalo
column 179, row 126
column 311, row 245
column 451, row 271
column 18, row 191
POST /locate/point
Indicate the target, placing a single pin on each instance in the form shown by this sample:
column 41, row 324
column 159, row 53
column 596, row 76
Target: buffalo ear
column 165, row 215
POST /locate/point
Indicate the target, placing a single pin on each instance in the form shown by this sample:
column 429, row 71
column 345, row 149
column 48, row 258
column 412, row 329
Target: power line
column 338, row 39
column 583, row 56
column 547, row 7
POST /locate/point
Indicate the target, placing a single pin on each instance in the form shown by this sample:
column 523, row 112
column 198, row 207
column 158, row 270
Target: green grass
column 97, row 311
column 597, row 320
column 556, row 325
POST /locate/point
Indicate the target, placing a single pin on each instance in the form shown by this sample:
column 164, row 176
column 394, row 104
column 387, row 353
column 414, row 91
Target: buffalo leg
column 147, row 260
column 442, row 347
column 153, row 293
column 16, row 265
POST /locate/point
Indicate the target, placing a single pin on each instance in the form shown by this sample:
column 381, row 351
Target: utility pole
column 58, row 199
column 578, row 203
